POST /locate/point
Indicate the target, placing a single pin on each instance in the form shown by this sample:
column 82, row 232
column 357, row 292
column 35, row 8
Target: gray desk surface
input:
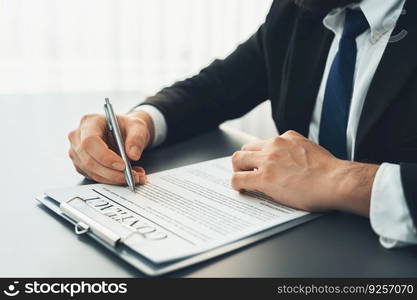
column 36, row 243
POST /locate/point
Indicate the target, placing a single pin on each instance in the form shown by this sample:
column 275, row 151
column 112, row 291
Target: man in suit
column 341, row 76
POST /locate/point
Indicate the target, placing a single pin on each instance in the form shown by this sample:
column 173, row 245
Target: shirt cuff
column 159, row 123
column 389, row 214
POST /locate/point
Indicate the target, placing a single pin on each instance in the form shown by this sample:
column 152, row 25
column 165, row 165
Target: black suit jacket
column 284, row 62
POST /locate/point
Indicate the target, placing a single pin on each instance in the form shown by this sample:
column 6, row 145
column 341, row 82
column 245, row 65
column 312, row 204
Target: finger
column 254, row 146
column 91, row 140
column 93, row 145
column 101, row 179
column 136, row 138
column 95, row 170
column 96, row 178
column 93, row 125
column 98, row 149
column 245, row 160
column 141, row 174
column 139, row 170
column 138, row 179
column 116, row 178
column 248, row 180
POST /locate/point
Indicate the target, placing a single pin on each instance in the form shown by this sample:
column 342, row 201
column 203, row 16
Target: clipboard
column 109, row 237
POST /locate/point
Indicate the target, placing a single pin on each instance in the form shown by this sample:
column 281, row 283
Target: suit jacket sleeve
column 226, row 89
column 409, row 181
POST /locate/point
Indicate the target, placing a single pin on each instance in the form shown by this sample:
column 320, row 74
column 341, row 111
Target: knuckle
column 139, row 169
column 277, row 140
column 71, row 135
column 84, row 118
column 244, row 147
column 236, row 156
column 291, row 133
column 301, row 151
column 88, row 117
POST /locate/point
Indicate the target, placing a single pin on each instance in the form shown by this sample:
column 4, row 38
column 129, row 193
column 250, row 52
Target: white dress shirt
column 389, row 214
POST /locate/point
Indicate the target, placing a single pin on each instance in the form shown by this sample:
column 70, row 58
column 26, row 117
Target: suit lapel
column 397, row 65
column 304, row 70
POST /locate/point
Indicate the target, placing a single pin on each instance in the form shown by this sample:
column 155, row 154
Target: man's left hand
column 298, row 173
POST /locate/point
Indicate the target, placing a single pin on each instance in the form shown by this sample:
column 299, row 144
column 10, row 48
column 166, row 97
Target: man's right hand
column 93, row 150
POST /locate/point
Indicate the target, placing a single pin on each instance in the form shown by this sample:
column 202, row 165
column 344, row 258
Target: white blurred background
column 131, row 47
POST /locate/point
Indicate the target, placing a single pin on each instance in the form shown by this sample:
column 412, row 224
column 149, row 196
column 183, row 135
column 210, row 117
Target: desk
column 37, row 243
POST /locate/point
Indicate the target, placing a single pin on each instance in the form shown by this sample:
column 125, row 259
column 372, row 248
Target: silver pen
column 113, row 126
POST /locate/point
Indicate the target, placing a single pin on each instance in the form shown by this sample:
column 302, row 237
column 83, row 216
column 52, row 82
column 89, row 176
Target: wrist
column 354, row 186
column 147, row 119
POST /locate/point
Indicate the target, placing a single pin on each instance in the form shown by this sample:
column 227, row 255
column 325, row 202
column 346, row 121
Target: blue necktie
column 339, row 88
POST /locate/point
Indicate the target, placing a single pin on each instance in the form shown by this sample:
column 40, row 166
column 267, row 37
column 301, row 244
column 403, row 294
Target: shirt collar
column 382, row 16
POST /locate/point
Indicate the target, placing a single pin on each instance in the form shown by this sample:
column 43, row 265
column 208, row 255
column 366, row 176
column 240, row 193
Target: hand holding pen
column 94, row 152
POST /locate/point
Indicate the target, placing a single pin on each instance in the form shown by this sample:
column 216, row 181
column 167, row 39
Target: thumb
column 136, row 138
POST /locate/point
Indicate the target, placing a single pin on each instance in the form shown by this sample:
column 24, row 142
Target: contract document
column 180, row 212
